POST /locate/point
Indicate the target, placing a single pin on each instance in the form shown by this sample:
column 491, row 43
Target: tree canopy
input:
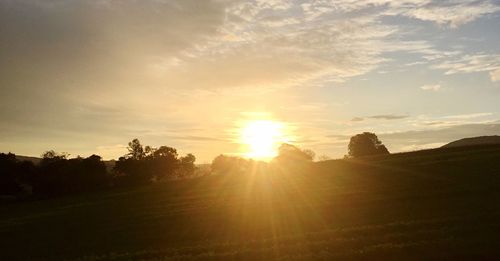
column 144, row 164
column 366, row 144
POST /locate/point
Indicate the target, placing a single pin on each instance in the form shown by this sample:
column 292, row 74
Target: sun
column 261, row 138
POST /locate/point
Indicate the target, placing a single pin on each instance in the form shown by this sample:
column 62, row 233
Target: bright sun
column 261, row 138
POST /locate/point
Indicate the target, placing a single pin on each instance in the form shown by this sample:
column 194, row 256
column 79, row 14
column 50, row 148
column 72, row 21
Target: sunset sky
column 87, row 77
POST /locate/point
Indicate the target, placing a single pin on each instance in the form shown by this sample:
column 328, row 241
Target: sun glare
column 261, row 138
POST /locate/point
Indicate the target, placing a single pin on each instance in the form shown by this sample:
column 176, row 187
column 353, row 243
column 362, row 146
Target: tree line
column 292, row 158
column 56, row 174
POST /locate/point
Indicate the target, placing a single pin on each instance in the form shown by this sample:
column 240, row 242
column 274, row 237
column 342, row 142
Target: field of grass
column 442, row 204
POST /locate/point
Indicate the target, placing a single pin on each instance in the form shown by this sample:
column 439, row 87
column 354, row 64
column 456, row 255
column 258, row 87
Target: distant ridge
column 109, row 163
column 35, row 160
column 474, row 141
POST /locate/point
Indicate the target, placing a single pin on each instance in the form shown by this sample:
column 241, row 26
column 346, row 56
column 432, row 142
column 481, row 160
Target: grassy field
column 442, row 204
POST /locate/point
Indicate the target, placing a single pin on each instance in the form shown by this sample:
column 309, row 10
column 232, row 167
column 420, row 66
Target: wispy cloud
column 380, row 117
column 452, row 13
column 469, row 115
column 470, row 63
column 388, row 117
column 431, row 87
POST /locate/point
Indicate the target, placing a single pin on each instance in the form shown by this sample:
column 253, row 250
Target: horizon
column 268, row 159
column 241, row 77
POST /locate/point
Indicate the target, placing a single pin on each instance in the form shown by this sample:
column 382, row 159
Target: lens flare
column 261, row 138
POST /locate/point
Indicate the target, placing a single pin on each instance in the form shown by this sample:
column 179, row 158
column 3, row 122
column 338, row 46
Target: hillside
column 439, row 204
column 475, row 141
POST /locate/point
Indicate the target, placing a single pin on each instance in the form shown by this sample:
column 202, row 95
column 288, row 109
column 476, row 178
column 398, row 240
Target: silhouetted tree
column 291, row 153
column 9, row 185
column 143, row 165
column 229, row 164
column 51, row 156
column 186, row 165
column 220, row 164
column 164, row 162
column 59, row 175
column 136, row 150
column 365, row 144
column 93, row 172
column 131, row 171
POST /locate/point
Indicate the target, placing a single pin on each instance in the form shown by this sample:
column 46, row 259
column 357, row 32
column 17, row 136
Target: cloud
column 495, row 75
column 434, row 123
column 91, row 46
column 60, row 55
column 469, row 115
column 380, row 117
column 301, row 40
column 213, row 45
column 470, row 63
column 452, row 13
column 112, row 35
column 431, row 87
column 453, row 120
column 388, row 117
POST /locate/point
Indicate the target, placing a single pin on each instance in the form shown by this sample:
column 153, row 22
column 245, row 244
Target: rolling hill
column 434, row 204
column 475, row 141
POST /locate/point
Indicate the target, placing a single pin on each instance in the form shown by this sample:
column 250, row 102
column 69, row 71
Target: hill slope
column 475, row 141
column 439, row 204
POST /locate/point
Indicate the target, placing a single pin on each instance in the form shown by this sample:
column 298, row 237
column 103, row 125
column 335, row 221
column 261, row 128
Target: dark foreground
column 439, row 204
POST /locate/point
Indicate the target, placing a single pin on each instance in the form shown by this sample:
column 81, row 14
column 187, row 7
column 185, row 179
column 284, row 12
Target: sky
column 87, row 77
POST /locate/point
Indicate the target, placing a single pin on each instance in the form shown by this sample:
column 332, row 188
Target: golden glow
column 261, row 138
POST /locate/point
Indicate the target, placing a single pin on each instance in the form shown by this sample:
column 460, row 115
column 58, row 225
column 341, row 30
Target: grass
column 439, row 204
